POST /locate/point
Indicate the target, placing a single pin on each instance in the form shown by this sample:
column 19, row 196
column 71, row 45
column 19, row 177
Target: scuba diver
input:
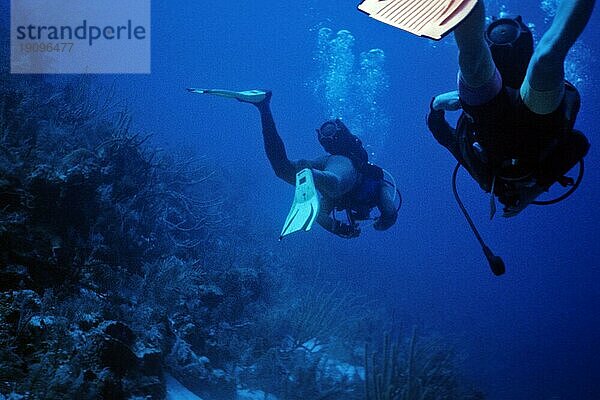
column 345, row 179
column 516, row 133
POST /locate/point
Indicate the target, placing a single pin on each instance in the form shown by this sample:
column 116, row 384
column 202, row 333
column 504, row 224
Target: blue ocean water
column 531, row 334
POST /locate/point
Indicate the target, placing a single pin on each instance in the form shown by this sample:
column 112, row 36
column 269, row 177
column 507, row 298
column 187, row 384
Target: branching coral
column 424, row 369
column 322, row 313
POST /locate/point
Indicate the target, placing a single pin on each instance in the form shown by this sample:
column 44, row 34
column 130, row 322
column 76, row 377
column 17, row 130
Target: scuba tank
column 511, row 44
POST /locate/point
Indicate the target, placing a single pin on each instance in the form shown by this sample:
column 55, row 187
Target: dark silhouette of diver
column 516, row 134
column 345, row 179
column 516, row 131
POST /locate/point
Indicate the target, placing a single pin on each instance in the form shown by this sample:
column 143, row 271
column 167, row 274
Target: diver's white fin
column 305, row 207
column 429, row 18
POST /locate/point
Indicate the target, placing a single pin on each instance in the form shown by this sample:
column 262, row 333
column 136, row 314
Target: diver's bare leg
column 337, row 179
column 543, row 88
column 274, row 147
column 475, row 60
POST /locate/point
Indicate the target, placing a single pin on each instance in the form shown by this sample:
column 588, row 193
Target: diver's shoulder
column 339, row 160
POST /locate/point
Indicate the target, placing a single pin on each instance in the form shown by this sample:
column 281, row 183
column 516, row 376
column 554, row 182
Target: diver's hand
column 447, row 102
column 347, row 231
column 381, row 224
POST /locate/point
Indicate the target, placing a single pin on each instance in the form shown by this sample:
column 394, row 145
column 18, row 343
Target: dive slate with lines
column 429, row 18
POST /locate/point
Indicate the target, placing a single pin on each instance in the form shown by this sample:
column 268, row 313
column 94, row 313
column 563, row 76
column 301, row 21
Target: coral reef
column 105, row 281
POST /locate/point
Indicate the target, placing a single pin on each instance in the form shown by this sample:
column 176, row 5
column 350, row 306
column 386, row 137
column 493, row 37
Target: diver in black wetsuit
column 516, row 134
column 345, row 178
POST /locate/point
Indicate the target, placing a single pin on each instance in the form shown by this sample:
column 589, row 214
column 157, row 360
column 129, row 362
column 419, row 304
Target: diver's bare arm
column 387, row 207
column 442, row 131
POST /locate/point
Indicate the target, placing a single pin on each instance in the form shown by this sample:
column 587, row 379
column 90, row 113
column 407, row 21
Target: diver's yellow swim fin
column 430, row 18
column 305, row 207
column 247, row 96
